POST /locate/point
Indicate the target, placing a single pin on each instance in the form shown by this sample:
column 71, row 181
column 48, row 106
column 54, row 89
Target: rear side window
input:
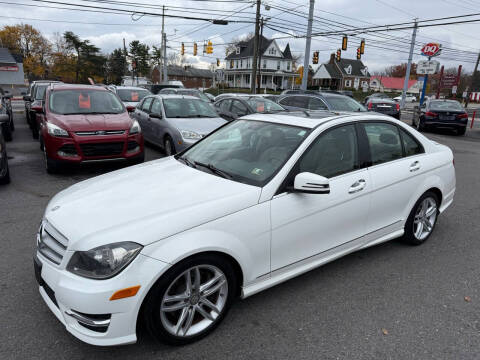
column 316, row 104
column 384, row 141
column 411, row 146
column 238, row 108
column 296, row 101
column 333, row 153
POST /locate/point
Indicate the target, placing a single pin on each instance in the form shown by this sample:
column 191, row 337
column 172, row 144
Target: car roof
column 62, row 86
column 311, row 119
column 174, row 96
column 130, row 88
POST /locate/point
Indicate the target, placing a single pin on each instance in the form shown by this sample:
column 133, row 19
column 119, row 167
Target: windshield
column 85, row 101
column 187, row 108
column 446, row 106
column 261, row 105
column 132, row 95
column 344, row 103
column 247, row 151
column 40, row 92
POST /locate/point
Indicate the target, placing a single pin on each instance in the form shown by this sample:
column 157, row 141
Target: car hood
column 89, row 122
column 144, row 204
column 202, row 126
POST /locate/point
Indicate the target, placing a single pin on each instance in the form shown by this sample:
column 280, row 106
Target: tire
column 51, row 165
column 420, row 126
column 7, row 132
column 461, row 130
column 169, row 146
column 35, row 132
column 162, row 321
column 413, row 235
column 6, row 178
column 12, row 125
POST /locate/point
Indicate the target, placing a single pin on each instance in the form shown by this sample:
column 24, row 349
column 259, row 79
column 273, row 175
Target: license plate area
column 447, row 117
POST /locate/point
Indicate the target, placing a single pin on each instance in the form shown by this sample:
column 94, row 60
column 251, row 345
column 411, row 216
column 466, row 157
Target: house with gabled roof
column 346, row 74
column 275, row 70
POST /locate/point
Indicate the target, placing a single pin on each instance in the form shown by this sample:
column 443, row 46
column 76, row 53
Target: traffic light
column 339, row 54
column 194, row 49
column 344, row 42
column 315, row 57
column 362, row 46
column 209, row 47
column 183, row 49
column 359, row 53
column 218, row 62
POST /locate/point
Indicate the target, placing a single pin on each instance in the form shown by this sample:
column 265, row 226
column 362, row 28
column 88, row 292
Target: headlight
column 190, row 135
column 135, row 128
column 55, row 130
column 104, row 261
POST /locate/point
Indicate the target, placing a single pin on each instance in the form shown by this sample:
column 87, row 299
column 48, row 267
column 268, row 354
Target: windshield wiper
column 214, row 170
column 187, row 161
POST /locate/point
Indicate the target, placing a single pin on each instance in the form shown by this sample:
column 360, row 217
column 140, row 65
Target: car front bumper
column 77, row 301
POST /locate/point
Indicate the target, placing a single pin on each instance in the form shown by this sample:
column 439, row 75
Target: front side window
column 262, row 105
column 333, row 153
column 384, row 142
column 40, row 92
column 156, row 107
column 146, row 104
column 85, row 101
column 188, row 108
column 344, row 103
column 225, row 105
column 238, row 108
column 250, row 152
column 316, row 104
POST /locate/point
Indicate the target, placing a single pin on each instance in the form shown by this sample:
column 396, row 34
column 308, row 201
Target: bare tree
column 234, row 41
column 175, row 59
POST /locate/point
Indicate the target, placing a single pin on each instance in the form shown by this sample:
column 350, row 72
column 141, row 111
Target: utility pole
column 306, row 61
column 409, row 65
column 125, row 67
column 260, row 57
column 256, row 40
column 467, row 100
column 164, row 46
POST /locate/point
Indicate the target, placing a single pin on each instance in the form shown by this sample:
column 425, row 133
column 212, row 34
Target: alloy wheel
column 425, row 218
column 194, row 300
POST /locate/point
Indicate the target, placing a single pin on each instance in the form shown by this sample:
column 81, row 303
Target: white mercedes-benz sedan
column 173, row 242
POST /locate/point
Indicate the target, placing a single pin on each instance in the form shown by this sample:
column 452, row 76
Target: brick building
column 190, row 77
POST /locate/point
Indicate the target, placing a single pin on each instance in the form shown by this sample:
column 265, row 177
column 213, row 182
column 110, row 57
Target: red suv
column 82, row 123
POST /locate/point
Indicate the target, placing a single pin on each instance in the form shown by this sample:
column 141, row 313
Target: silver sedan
column 175, row 122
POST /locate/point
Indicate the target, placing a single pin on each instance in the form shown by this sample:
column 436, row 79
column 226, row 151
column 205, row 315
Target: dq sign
column 431, row 49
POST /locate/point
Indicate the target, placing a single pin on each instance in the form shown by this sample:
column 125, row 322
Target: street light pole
column 255, row 50
column 306, row 61
column 164, row 47
column 409, row 65
column 260, row 56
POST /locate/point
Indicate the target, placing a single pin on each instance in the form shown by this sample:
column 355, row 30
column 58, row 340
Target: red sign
column 9, row 68
column 449, row 80
column 431, row 49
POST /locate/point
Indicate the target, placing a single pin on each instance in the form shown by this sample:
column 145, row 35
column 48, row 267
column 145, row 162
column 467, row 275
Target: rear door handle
column 357, row 186
column 415, row 166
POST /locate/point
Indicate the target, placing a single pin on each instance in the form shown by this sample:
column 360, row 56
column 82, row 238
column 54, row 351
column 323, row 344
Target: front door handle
column 415, row 166
column 357, row 186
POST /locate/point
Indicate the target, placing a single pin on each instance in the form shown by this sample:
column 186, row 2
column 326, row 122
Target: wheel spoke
column 204, row 313
column 210, row 282
column 432, row 210
column 211, row 305
column 214, row 288
column 427, row 224
column 419, row 230
column 174, row 307
column 181, row 320
column 188, row 280
column 188, row 323
column 197, row 279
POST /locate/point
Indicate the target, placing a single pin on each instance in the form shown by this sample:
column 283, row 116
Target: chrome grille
column 100, row 132
column 51, row 243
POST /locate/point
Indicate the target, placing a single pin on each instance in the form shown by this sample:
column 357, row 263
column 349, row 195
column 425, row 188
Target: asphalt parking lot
column 388, row 302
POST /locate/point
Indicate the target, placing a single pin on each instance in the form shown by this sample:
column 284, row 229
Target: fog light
column 134, row 150
column 64, row 154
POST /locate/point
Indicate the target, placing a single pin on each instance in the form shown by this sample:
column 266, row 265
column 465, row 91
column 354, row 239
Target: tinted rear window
column 446, row 105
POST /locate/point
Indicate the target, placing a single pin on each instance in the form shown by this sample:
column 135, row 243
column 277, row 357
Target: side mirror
column 155, row 116
column 130, row 108
column 23, row 93
column 27, row 98
column 309, row 183
column 38, row 108
column 4, row 118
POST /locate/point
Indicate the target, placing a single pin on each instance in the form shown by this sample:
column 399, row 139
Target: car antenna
column 306, row 112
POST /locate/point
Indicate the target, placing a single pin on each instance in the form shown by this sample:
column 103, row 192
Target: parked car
column 4, row 171
column 257, row 202
column 30, row 97
column 175, row 122
column 85, row 123
column 408, row 98
column 321, row 101
column 189, row 92
column 234, row 107
column 6, row 109
column 155, row 88
column 376, row 96
column 298, row 91
column 130, row 95
column 210, row 96
column 384, row 106
column 447, row 114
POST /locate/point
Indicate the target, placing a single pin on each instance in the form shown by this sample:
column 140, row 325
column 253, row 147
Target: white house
column 275, row 70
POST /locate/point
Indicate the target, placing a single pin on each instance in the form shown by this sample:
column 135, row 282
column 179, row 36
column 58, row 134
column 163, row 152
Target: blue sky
column 382, row 49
